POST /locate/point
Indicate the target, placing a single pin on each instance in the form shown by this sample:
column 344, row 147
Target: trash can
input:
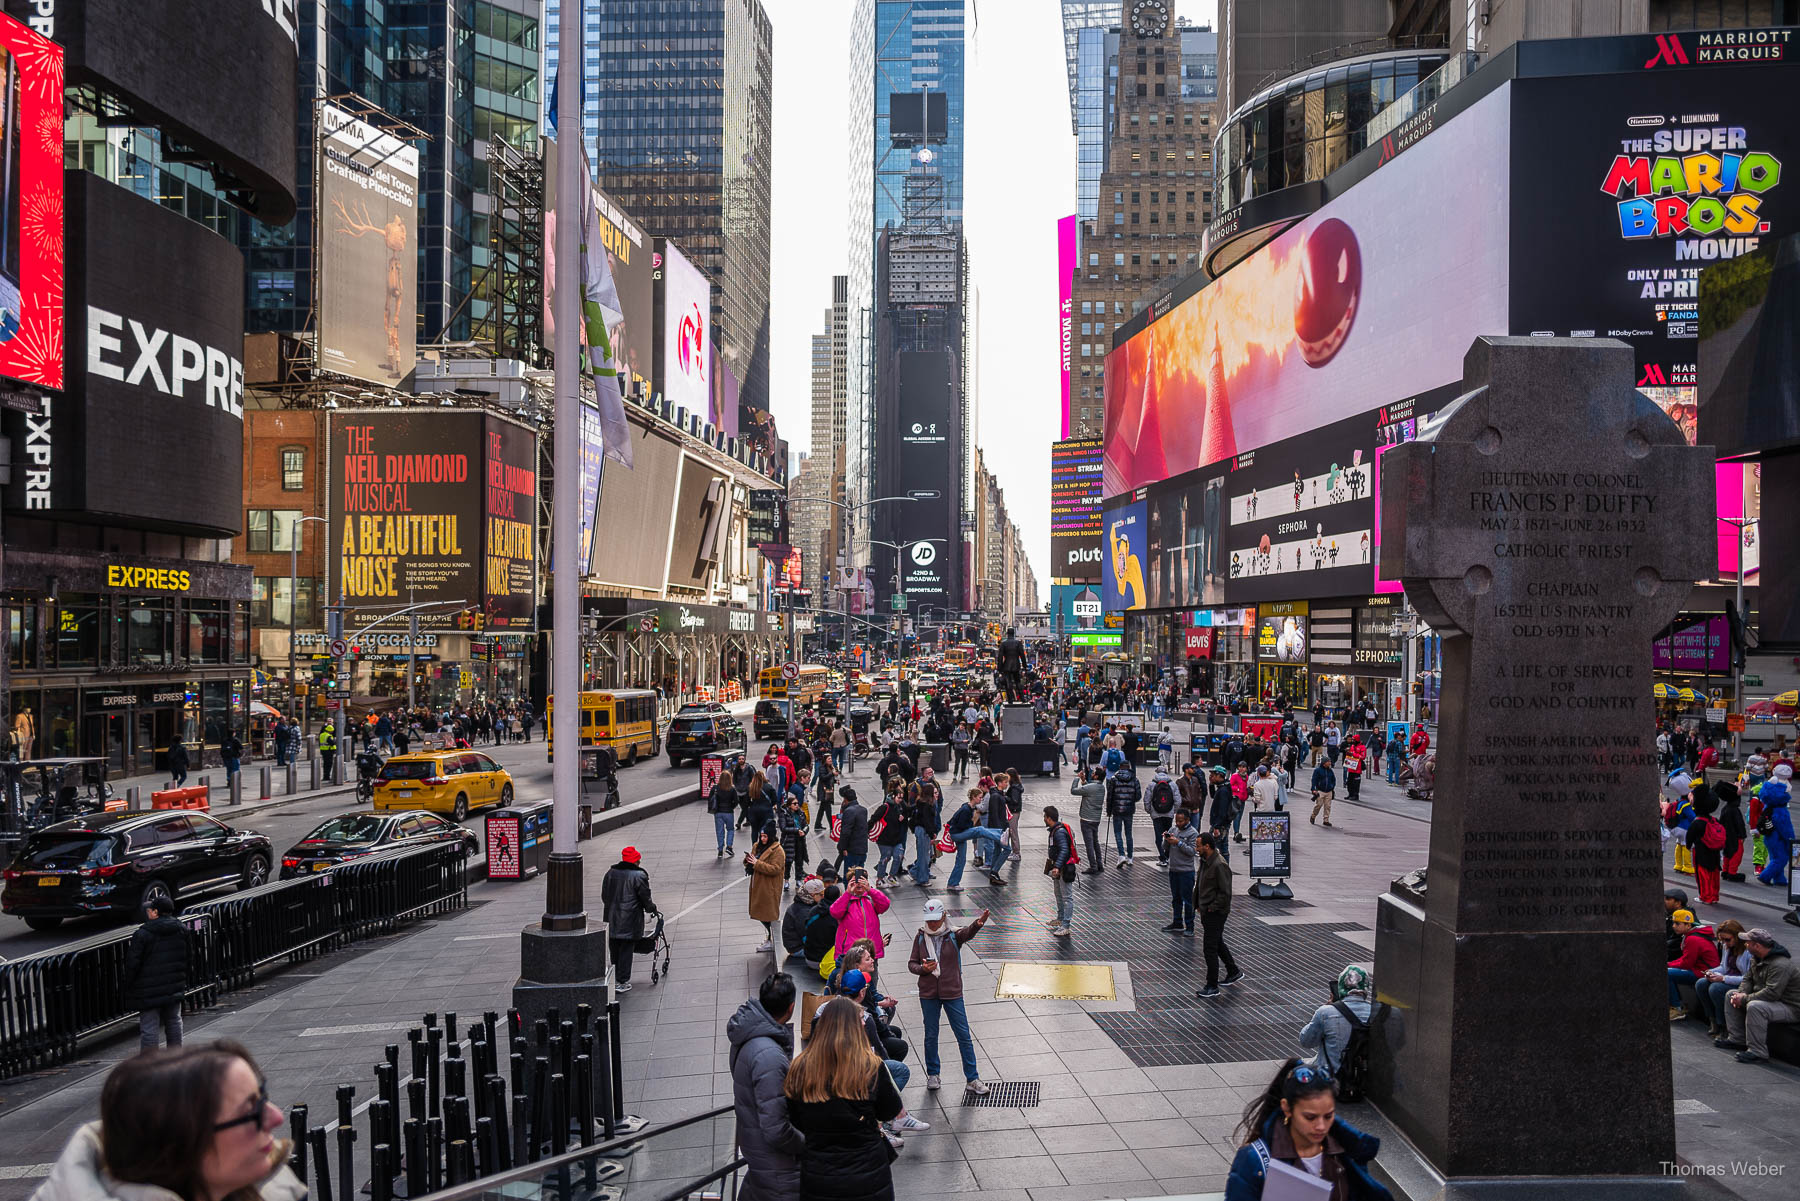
column 598, row 787
column 935, row 755
column 518, row 841
column 1207, row 746
column 713, row 764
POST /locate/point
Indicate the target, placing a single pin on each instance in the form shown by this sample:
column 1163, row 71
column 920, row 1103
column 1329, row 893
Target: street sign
column 899, row 602
column 790, row 671
column 338, row 694
column 1715, row 714
column 1734, row 723
column 332, row 706
column 1752, row 681
column 339, row 648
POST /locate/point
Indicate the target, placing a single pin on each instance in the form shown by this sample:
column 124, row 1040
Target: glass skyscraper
column 678, row 124
column 460, row 72
column 895, row 46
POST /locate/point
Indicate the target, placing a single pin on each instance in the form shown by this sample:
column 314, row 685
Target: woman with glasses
column 192, row 1122
column 1294, row 1123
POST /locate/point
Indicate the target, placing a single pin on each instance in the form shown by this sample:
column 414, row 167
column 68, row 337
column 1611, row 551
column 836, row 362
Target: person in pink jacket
column 858, row 913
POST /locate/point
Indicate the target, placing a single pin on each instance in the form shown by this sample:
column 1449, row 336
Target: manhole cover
column 1008, row 1094
column 1056, row 981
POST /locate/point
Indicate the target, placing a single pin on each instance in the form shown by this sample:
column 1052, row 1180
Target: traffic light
column 1418, row 688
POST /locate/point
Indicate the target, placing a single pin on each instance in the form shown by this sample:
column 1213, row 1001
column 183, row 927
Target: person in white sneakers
column 937, row 961
column 855, row 985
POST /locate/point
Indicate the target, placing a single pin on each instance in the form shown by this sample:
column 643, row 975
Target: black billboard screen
column 218, row 75
column 406, row 510
column 149, row 428
column 1075, row 498
column 1626, row 186
column 927, row 472
column 918, row 117
column 510, row 501
column 1749, row 394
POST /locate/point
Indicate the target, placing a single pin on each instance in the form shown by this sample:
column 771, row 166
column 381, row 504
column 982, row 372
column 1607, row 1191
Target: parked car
column 697, row 730
column 770, row 719
column 115, row 862
column 452, row 782
column 353, row 835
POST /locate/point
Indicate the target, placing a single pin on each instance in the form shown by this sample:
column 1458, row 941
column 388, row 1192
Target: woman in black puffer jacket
column 839, row 1092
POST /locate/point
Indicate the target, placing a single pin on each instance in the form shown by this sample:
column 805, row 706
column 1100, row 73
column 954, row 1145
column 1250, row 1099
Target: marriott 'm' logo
column 1668, row 52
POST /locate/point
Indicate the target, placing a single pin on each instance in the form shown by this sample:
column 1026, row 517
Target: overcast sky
column 1020, row 178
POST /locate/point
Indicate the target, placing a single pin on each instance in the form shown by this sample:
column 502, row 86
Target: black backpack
column 1353, row 1073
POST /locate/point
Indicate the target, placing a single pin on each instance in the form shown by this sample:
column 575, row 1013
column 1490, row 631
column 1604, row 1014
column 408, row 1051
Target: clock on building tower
column 1149, row 18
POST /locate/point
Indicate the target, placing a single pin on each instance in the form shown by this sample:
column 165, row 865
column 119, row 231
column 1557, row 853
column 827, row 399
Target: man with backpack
column 1161, row 802
column 1061, row 865
column 1338, row 1034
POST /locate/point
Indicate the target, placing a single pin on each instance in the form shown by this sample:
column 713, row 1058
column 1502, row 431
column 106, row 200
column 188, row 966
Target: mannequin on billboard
column 393, row 236
column 1009, row 666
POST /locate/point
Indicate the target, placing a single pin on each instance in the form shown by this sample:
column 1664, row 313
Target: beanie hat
column 630, row 855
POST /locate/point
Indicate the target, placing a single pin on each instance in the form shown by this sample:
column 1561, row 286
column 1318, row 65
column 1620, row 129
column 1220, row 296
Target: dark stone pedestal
column 560, row 969
column 1030, row 758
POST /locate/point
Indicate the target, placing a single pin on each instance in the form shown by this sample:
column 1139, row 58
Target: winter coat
column 859, row 917
column 1093, row 798
column 997, row 812
column 1193, row 793
column 1324, row 779
column 1328, row 1034
column 156, row 963
column 178, row 757
column 946, row 947
column 760, row 1050
column 1354, row 1151
column 1773, row 978
column 846, row 1156
column 819, row 936
column 895, row 825
column 624, row 899
column 1122, row 794
column 767, row 871
column 1212, row 892
column 793, row 924
column 1224, row 805
column 80, row 1175
column 1699, row 951
column 853, row 829
column 724, row 797
column 1162, row 799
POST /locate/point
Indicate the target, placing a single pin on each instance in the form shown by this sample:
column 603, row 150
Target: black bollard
column 450, row 1028
column 434, row 1153
column 297, row 1124
column 415, row 1157
column 485, row 1145
column 489, row 1022
column 455, row 1075
column 434, row 1039
column 519, row 1052
column 496, row 1092
column 381, row 1172
column 568, row 1049
column 416, row 1037
column 584, row 1015
column 515, row 1024
column 553, row 1016
column 415, row 1099
column 346, row 1140
column 387, row 1090
column 321, row 1187
column 379, row 1112
column 540, row 1104
column 617, row 1065
column 559, row 1113
column 584, row 1094
column 540, row 1030
column 521, row 1128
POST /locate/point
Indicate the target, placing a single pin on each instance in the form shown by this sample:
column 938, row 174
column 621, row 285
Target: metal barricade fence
column 50, row 1002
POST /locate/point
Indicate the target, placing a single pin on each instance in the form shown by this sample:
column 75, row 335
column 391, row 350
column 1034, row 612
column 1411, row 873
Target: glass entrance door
column 107, row 735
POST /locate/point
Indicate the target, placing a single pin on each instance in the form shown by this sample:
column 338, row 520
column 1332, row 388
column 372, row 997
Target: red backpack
column 1712, row 835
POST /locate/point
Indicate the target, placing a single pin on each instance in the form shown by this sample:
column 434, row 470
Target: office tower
column 678, row 124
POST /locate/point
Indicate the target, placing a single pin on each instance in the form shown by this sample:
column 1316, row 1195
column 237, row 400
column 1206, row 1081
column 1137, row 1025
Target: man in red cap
column 624, row 899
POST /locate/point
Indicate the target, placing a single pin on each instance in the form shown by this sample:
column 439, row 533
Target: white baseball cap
column 934, row 911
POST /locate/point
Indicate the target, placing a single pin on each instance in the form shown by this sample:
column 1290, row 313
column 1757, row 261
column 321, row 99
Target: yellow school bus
column 623, row 719
column 814, row 682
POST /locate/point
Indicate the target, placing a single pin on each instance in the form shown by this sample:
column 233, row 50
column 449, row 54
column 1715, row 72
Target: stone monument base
column 1015, row 723
column 560, row 969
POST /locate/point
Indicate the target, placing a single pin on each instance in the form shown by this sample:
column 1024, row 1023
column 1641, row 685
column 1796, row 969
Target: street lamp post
column 293, row 604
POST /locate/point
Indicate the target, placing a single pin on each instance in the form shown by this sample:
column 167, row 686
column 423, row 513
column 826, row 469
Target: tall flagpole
column 563, row 901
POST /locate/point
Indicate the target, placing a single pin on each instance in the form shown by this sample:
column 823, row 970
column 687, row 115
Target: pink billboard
column 1065, row 273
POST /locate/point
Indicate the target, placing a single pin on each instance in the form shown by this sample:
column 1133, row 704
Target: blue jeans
column 231, row 768
column 899, row 1071
column 1181, row 896
column 1081, row 750
column 1677, row 977
column 892, row 861
column 1123, row 839
column 1237, row 818
column 1712, row 999
column 1065, row 899
column 840, row 756
column 962, row 850
column 922, row 843
column 931, row 1007
column 1393, row 771
column 722, row 826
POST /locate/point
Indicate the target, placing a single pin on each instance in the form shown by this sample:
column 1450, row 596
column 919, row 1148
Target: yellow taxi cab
column 452, row 782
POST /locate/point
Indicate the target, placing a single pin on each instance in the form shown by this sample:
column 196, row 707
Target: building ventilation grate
column 1006, row 1094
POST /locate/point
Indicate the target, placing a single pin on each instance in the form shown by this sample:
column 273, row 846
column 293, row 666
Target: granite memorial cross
column 1548, row 524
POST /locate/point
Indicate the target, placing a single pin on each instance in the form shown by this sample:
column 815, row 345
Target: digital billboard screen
column 686, row 367
column 1358, row 303
column 1630, row 185
column 509, row 504
column 1748, row 397
column 1075, row 498
column 1065, row 307
column 149, row 427
column 1282, row 633
column 369, row 254
column 634, row 273
column 1127, row 546
column 926, row 402
column 593, row 455
column 31, row 206
column 406, row 509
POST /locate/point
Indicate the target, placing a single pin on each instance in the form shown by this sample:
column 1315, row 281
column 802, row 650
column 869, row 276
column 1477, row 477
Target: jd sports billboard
column 927, row 471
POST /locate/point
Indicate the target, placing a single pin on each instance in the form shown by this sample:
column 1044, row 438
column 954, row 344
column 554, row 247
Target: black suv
column 115, row 862
column 698, row 729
